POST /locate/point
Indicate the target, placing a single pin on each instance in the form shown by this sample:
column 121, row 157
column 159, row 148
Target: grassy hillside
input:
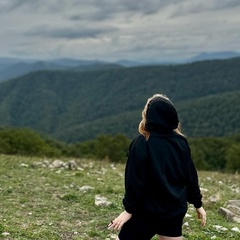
column 75, row 106
column 39, row 202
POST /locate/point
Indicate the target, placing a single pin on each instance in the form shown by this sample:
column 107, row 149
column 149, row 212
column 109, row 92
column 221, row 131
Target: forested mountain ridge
column 74, row 106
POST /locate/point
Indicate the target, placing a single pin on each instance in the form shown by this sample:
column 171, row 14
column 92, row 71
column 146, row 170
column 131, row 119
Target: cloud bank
column 163, row 30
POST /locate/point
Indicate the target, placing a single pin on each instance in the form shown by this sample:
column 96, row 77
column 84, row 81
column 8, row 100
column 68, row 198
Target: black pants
column 139, row 229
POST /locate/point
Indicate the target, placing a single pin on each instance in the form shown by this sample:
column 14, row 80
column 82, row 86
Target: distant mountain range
column 77, row 105
column 214, row 55
column 13, row 67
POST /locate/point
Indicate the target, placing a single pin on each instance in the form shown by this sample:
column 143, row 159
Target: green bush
column 113, row 148
column 233, row 158
column 24, row 142
column 211, row 154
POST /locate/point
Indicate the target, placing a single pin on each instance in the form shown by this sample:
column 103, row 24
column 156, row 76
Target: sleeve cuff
column 198, row 205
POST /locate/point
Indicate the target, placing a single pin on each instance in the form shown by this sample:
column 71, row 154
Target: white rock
column 45, row 163
column 224, row 229
column 236, row 190
column 235, row 229
column 213, row 237
column 235, row 209
column 101, row 201
column 233, row 202
column 186, row 224
column 72, row 165
column 217, row 226
column 221, row 228
column 113, row 167
column 229, row 214
column 24, row 165
column 57, row 164
column 215, row 198
column 236, row 219
column 5, row 234
column 204, row 190
column 113, row 236
column 85, row 188
column 37, row 164
column 191, row 208
column 188, row 215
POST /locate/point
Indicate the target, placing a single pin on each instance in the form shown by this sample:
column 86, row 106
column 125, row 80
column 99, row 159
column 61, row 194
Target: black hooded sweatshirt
column 160, row 177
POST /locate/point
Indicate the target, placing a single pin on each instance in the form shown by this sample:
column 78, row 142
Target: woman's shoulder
column 181, row 136
column 139, row 141
column 183, row 140
column 172, row 136
column 138, row 146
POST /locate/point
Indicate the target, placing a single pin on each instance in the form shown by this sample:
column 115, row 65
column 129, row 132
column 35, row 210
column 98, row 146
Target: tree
column 233, row 158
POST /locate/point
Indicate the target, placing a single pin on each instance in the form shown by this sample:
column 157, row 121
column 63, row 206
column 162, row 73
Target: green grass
column 44, row 203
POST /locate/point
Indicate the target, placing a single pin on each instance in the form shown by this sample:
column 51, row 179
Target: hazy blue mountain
column 68, row 62
column 214, row 55
column 97, row 67
column 12, row 68
column 15, row 67
column 127, row 63
column 6, row 62
column 21, row 68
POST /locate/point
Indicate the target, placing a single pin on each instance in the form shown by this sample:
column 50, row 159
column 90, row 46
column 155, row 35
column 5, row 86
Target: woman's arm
column 135, row 176
column 202, row 215
column 194, row 195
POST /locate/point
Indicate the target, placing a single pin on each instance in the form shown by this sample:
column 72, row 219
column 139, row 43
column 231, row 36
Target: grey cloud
column 69, row 33
column 142, row 27
column 92, row 17
column 7, row 6
column 51, row 6
column 228, row 4
column 106, row 9
column 94, row 10
column 199, row 6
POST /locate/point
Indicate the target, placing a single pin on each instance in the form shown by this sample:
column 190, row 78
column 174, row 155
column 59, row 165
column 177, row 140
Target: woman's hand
column 202, row 215
column 118, row 222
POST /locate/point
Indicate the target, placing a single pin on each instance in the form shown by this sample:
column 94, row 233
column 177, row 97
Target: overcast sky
column 118, row 29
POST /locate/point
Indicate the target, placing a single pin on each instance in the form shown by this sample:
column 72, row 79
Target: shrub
column 233, row 158
column 24, row 142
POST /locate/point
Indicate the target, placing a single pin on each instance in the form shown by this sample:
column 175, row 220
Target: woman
column 160, row 178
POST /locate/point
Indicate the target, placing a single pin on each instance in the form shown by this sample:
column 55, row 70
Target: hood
column 161, row 115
